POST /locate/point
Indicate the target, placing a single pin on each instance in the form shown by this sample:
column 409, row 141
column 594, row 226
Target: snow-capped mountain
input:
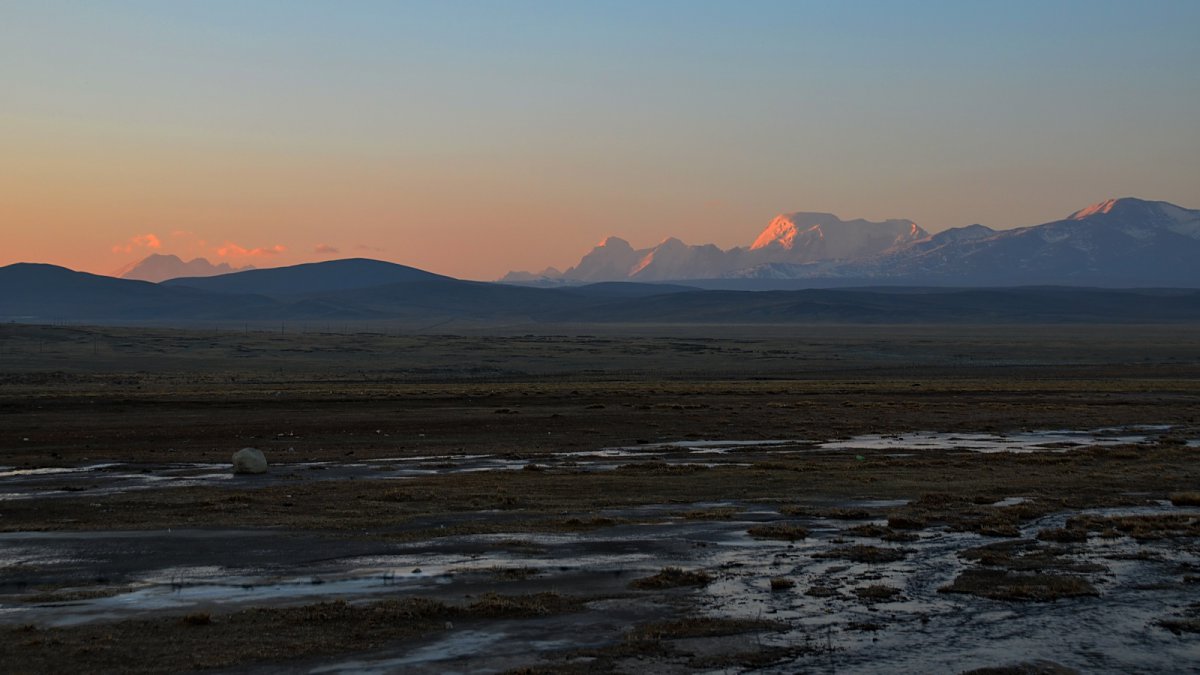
column 1117, row 242
column 158, row 267
column 1114, row 243
column 808, row 237
column 610, row 260
column 790, row 238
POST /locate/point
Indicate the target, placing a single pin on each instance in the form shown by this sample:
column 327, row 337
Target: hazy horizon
column 471, row 139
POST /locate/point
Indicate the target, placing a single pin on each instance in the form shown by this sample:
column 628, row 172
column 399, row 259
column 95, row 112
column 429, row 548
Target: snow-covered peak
column 614, row 243
column 1142, row 217
column 783, row 229
column 1098, row 208
column 960, row 234
column 810, row 236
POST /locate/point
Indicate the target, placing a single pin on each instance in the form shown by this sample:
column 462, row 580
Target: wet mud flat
column 849, row 515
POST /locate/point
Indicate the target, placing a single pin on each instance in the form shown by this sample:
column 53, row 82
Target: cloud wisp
column 148, row 240
column 232, row 250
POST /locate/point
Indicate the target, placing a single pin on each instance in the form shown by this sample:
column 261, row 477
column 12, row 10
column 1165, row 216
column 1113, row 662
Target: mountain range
column 889, row 272
column 370, row 290
column 160, row 267
column 1116, row 243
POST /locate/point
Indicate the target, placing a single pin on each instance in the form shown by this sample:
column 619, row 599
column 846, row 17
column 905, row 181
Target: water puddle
column 918, row 627
column 1057, row 440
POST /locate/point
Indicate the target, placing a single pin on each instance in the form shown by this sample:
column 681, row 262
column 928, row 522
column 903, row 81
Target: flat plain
column 601, row 499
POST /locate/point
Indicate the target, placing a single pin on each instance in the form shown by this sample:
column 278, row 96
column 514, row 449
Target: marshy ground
column 617, row 499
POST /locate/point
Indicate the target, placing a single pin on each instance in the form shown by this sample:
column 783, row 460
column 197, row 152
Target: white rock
column 249, row 460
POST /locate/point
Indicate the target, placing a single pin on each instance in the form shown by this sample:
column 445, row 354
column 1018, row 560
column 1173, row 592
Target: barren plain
column 602, row 499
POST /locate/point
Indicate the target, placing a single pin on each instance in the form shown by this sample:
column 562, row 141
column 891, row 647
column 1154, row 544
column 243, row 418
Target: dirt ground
column 533, row 478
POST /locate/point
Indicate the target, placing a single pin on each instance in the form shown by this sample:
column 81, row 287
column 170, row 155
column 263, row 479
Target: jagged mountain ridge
column 809, row 237
column 1117, row 242
column 800, row 237
column 158, row 267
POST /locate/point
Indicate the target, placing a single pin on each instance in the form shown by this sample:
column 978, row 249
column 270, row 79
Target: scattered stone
column 249, row 460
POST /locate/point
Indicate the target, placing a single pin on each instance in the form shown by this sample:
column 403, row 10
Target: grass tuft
column 672, row 577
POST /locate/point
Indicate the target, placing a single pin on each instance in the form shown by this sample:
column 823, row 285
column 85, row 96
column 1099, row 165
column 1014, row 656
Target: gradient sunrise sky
column 472, row 138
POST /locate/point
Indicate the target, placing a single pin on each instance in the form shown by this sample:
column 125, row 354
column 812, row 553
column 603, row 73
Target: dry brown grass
column 877, row 593
column 1063, row 535
column 1185, row 498
column 1143, row 528
column 183, row 643
column 1026, row 555
column 717, row 513
column 1005, row 585
column 782, row 583
column 672, row 577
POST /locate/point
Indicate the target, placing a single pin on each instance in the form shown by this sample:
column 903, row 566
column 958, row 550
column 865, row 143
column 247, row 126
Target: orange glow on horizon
column 232, row 250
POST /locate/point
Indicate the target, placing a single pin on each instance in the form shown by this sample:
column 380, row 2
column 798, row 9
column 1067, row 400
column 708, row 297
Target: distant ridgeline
column 1116, row 243
column 1125, row 260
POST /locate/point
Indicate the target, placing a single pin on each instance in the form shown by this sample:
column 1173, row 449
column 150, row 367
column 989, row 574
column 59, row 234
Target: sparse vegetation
column 1180, row 626
column 1143, row 528
column 877, row 593
column 1026, row 555
column 196, row 619
column 868, row 531
column 513, row 573
column 672, row 577
column 905, row 522
column 185, row 642
column 781, row 583
column 1185, row 498
column 718, row 513
column 784, row 531
column 1005, row 585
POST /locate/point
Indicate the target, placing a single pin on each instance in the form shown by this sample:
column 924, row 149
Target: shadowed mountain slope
column 44, row 293
column 318, row 277
column 31, row 291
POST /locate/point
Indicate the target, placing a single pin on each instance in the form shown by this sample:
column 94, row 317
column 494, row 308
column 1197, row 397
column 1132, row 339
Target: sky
column 474, row 138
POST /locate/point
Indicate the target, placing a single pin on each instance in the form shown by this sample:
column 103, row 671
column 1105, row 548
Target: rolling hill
column 334, row 290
